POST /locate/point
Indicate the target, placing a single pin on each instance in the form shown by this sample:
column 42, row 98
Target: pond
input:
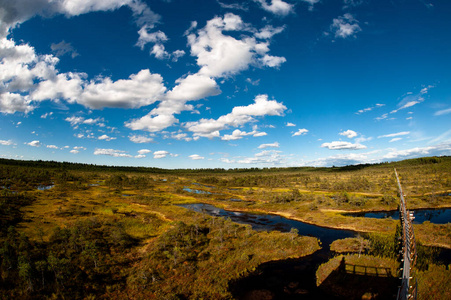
column 196, row 191
column 45, row 187
column 436, row 216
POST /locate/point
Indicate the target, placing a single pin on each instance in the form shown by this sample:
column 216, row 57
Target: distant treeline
column 99, row 168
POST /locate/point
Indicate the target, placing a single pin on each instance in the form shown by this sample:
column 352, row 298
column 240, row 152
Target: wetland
column 276, row 233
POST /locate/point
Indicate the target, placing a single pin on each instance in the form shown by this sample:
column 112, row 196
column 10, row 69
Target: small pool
column 436, row 216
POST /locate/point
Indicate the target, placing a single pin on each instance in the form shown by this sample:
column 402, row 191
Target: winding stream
column 287, row 279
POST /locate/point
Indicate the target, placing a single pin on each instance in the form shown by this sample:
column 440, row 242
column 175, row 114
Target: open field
column 110, row 232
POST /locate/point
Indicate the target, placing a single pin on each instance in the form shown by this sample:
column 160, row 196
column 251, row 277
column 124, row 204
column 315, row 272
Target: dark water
column 436, row 216
column 273, row 222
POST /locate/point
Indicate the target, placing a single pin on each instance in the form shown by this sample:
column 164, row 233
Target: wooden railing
column 406, row 291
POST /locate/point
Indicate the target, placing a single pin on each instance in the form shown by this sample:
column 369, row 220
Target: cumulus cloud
column 11, row 103
column 290, row 124
column 160, row 154
column 345, row 26
column 190, row 88
column 196, row 157
column 140, row 139
column 106, row 137
column 52, row 147
column 221, row 55
column 273, row 145
column 340, row 145
column 238, row 134
column 144, row 151
column 34, row 144
column 75, row 121
column 111, row 152
column 277, row 7
column 239, row 116
column 301, row 131
column 349, row 133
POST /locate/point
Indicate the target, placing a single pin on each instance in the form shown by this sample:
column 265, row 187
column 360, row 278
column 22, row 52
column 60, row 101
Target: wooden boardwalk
column 407, row 290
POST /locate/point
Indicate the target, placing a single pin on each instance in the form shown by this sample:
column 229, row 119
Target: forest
column 82, row 231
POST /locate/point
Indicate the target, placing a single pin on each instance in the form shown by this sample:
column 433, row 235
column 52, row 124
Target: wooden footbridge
column 408, row 289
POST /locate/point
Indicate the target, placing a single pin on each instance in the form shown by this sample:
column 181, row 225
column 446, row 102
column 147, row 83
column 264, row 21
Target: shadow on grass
column 350, row 281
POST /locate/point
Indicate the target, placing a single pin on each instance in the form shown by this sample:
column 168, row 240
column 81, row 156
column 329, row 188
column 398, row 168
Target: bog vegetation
column 78, row 231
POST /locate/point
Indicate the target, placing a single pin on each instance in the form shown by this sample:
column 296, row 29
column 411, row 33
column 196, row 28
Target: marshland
column 78, row 231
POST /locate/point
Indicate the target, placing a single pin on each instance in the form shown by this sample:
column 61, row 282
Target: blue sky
column 209, row 83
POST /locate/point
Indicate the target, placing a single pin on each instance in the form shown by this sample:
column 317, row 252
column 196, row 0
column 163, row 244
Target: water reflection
column 436, row 216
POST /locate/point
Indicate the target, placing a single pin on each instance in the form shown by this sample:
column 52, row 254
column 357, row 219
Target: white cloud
column 238, row 134
column 6, row 143
column 342, row 160
column 237, row 6
column 196, row 157
column 369, row 108
column 277, row 7
column 160, row 154
column 11, row 103
column 106, row 138
column 410, row 99
column 290, row 124
column 44, row 116
column 340, row 145
column 190, row 88
column 269, row 31
column 141, row 89
column 239, row 116
column 144, row 151
column 221, row 55
column 273, row 145
column 349, row 133
column 73, row 151
column 395, row 140
column 302, row 131
column 272, row 61
column 394, row 134
column 443, row 112
column 34, row 144
column 75, row 121
column 140, row 139
column 345, row 26
column 153, row 37
column 436, row 150
column 52, row 147
column 266, row 157
column 111, row 152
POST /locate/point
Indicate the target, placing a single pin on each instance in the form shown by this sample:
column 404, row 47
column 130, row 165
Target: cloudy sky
column 225, row 83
